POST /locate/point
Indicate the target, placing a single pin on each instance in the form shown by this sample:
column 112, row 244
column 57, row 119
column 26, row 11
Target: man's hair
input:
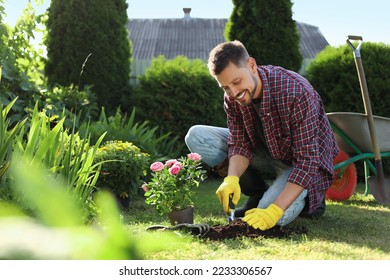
column 224, row 53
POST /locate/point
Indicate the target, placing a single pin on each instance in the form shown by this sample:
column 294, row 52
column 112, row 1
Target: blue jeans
column 211, row 143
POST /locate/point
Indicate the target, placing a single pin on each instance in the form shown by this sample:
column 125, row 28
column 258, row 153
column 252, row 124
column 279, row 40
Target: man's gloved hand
column 263, row 218
column 230, row 186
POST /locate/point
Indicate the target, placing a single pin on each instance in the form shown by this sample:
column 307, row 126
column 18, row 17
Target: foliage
column 8, row 136
column 173, row 94
column 333, row 73
column 21, row 62
column 123, row 128
column 28, row 55
column 59, row 230
column 173, row 184
column 267, row 30
column 69, row 157
column 123, row 166
column 87, row 44
column 78, row 106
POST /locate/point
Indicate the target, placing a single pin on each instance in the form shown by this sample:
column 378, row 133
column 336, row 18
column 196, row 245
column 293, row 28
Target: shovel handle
column 355, row 37
column 365, row 94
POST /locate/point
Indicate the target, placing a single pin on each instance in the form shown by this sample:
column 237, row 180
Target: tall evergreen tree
column 88, row 44
column 267, row 30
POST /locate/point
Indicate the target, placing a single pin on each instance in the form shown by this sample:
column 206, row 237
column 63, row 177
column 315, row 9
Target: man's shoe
column 316, row 214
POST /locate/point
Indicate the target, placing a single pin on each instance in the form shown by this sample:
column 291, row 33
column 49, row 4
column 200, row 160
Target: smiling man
column 276, row 123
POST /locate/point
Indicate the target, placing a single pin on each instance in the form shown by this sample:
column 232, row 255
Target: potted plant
column 173, row 186
column 123, row 166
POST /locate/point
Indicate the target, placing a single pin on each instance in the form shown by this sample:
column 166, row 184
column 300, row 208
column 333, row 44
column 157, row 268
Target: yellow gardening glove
column 229, row 188
column 263, row 218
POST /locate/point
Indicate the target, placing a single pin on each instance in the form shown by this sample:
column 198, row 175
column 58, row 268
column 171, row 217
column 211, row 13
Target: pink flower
column 157, row 166
column 170, row 162
column 194, row 156
column 175, row 169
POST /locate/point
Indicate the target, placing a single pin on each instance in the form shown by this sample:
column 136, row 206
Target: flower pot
column 182, row 216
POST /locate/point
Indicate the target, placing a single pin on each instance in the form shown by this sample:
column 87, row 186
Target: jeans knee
column 190, row 137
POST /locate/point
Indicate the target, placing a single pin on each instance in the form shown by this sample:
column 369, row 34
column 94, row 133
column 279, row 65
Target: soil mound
column 239, row 228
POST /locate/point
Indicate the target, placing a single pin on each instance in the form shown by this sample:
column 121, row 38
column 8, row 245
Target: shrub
column 123, row 166
column 333, row 73
column 70, row 101
column 176, row 94
column 123, row 128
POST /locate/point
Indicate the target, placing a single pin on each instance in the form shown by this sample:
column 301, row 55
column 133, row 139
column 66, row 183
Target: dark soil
column 239, row 228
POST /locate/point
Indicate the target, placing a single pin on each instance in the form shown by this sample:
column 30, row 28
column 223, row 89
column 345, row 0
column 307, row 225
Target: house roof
column 195, row 37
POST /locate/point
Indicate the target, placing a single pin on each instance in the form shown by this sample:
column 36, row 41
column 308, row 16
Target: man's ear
column 252, row 64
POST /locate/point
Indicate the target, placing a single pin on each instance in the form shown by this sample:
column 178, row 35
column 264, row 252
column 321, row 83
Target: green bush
column 333, row 74
column 123, row 128
column 123, row 166
column 176, row 94
column 72, row 102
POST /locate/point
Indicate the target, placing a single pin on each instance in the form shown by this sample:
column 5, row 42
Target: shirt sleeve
column 304, row 127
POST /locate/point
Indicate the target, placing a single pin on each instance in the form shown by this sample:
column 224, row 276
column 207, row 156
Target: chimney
column 187, row 12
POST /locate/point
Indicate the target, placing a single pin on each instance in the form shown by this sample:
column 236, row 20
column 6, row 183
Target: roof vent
column 187, row 12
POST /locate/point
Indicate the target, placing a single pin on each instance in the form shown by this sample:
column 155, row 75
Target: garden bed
column 239, row 228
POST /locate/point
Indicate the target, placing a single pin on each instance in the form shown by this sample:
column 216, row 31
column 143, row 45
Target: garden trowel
column 232, row 209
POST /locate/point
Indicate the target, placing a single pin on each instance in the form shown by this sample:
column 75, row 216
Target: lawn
column 356, row 229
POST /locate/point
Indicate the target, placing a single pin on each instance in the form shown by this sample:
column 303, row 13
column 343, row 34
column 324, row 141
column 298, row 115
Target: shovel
column 379, row 185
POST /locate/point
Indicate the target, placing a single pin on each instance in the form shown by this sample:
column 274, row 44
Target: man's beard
column 254, row 89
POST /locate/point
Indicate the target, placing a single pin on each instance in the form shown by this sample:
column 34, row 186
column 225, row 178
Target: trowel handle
column 231, row 204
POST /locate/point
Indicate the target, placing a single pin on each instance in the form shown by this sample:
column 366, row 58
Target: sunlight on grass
column 356, row 229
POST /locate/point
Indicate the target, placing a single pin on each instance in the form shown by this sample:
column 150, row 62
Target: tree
column 267, row 30
column 87, row 44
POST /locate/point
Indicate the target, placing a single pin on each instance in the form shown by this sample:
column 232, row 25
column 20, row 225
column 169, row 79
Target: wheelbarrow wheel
column 344, row 184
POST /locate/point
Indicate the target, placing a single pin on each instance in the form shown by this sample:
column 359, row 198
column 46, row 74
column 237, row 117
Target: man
column 276, row 122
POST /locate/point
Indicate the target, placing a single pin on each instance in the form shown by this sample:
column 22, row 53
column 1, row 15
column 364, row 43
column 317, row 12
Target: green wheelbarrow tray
column 352, row 136
column 355, row 128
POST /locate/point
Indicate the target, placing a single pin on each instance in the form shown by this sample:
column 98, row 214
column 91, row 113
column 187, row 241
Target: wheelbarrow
column 365, row 137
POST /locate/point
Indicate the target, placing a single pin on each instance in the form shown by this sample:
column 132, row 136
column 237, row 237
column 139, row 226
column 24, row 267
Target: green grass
column 356, row 229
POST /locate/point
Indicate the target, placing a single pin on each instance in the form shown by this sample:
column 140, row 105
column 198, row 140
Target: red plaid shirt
column 296, row 128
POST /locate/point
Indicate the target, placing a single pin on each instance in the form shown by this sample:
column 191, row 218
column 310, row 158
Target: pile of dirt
column 239, row 228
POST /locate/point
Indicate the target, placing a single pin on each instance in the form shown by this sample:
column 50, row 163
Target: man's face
column 240, row 83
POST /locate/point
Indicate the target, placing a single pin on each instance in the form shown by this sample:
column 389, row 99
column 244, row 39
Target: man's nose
column 235, row 91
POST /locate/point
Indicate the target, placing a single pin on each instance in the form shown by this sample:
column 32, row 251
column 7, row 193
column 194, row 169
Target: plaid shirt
column 296, row 128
